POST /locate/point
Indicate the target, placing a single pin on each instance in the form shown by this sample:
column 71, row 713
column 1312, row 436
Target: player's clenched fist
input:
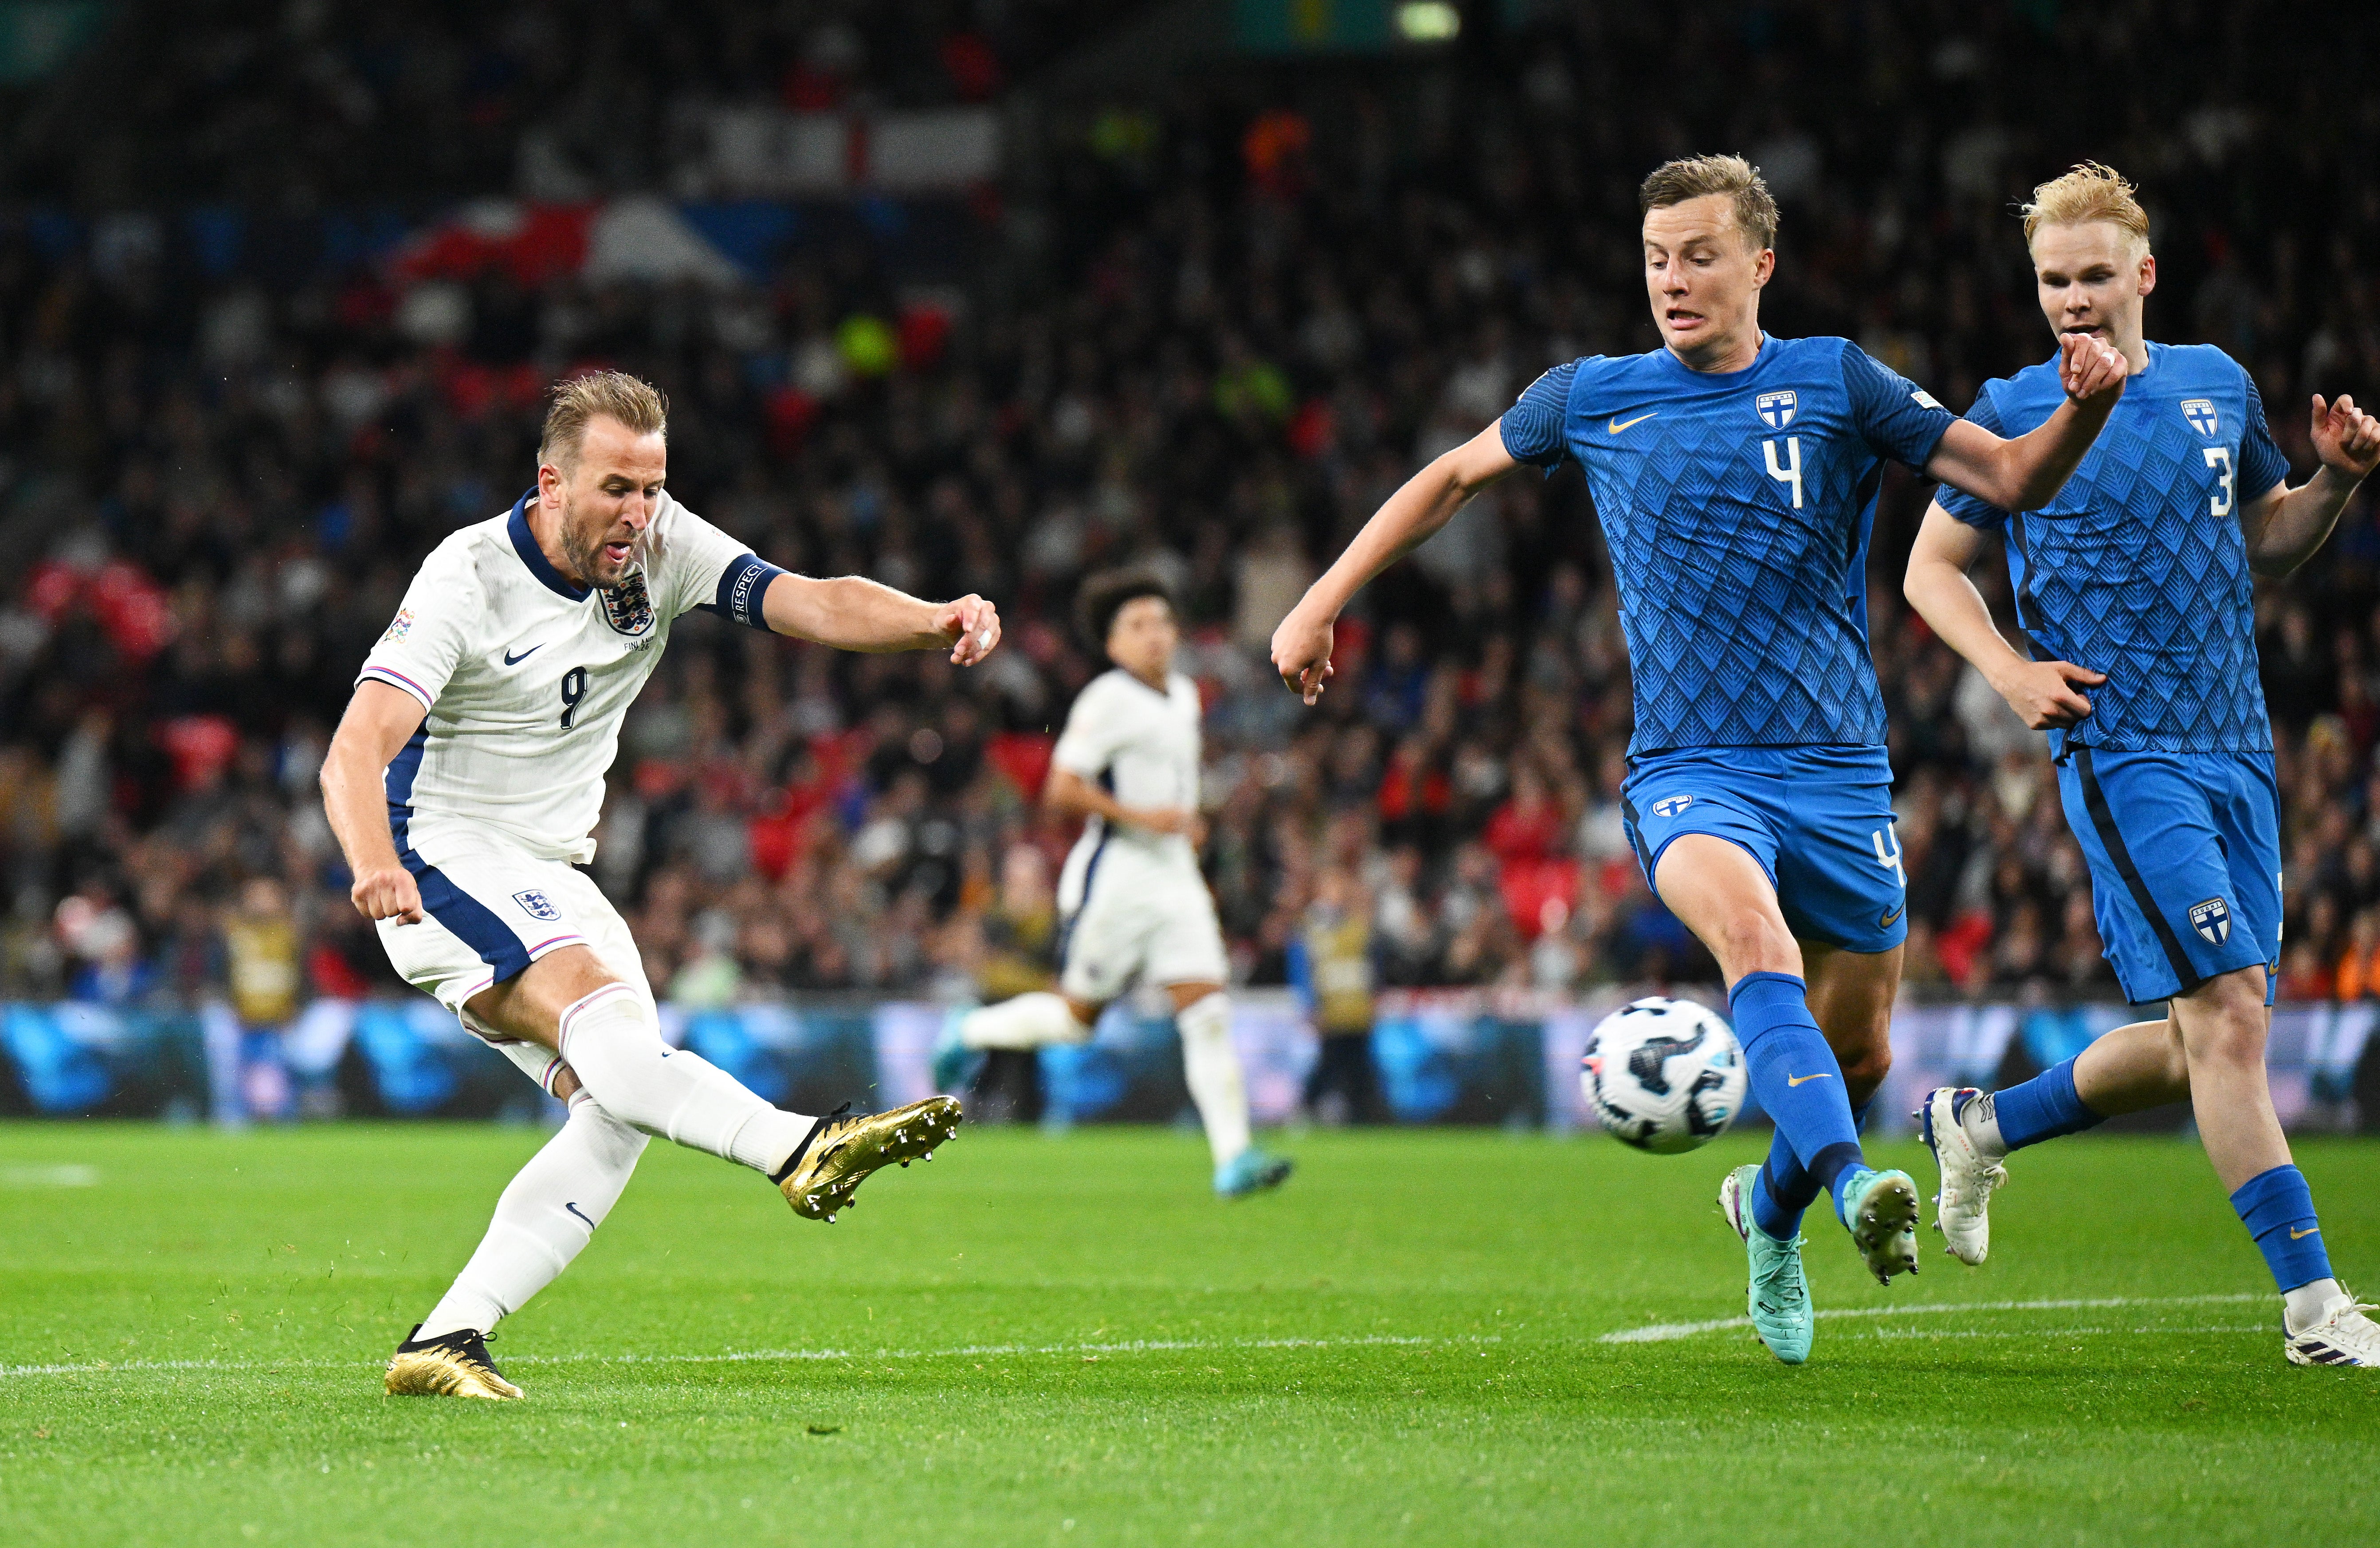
column 2345, row 437
column 972, row 625
column 1301, row 653
column 2091, row 371
column 387, row 892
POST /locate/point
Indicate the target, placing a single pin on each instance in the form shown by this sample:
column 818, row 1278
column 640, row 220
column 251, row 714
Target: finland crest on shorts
column 537, row 905
column 2212, row 920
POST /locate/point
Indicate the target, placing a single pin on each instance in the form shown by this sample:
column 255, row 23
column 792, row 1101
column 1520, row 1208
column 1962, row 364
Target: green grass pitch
column 1068, row 1341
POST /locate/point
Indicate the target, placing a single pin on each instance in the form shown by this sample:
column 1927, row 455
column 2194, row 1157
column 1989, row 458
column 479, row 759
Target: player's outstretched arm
column 852, row 612
column 2285, row 526
column 2026, row 473
column 2044, row 694
column 379, row 720
column 1301, row 647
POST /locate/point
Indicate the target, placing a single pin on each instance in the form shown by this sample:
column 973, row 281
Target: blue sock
column 1795, row 1076
column 2042, row 1109
column 1785, row 1188
column 2277, row 1209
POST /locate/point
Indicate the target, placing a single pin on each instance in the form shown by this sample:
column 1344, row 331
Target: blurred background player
column 464, row 782
column 2135, row 592
column 1133, row 901
column 1735, row 475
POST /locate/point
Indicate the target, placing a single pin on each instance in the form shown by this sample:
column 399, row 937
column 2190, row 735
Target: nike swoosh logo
column 2296, row 1234
column 1885, row 922
column 1797, row 1080
column 1619, row 425
column 513, row 660
column 582, row 1214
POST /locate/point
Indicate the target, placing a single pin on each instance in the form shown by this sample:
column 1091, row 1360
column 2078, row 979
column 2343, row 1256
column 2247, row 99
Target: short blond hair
column 2090, row 192
column 1688, row 177
column 638, row 404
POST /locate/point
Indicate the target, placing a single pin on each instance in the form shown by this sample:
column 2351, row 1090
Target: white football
column 1664, row 1075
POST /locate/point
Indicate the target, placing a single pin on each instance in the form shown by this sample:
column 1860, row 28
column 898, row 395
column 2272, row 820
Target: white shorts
column 489, row 908
column 1138, row 922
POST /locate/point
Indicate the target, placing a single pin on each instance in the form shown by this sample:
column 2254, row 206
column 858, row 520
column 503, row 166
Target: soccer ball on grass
column 1664, row 1075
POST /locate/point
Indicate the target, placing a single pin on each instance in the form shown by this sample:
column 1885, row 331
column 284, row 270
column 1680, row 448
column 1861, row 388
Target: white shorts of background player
column 1127, row 916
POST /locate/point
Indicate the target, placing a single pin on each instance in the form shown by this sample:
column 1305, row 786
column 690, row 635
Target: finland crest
column 2212, row 920
column 628, row 606
column 1671, row 805
column 537, row 905
column 1776, row 409
column 2200, row 412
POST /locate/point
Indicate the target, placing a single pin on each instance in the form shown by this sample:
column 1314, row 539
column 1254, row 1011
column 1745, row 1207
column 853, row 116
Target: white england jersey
column 1142, row 747
column 524, row 678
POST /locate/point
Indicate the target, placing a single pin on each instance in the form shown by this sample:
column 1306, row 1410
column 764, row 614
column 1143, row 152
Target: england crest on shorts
column 537, row 905
column 1776, row 409
column 628, row 606
column 2200, row 412
column 2212, row 920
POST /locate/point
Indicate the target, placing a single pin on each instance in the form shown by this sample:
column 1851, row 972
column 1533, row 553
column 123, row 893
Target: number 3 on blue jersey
column 1789, row 472
column 2220, row 459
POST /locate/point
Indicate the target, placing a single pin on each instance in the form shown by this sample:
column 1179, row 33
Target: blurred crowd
column 1210, row 327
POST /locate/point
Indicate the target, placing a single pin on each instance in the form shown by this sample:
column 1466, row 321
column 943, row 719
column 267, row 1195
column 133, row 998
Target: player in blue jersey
column 1735, row 475
column 2134, row 590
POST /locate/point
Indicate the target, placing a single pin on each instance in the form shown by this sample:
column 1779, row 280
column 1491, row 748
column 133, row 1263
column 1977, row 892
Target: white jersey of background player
column 1132, row 901
column 463, row 784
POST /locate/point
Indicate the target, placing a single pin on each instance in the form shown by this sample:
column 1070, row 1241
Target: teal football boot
column 1881, row 1210
column 1777, row 1298
column 1251, row 1172
column 955, row 1065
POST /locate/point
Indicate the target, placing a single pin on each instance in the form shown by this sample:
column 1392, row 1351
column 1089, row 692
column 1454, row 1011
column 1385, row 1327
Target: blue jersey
column 2139, row 568
column 1736, row 505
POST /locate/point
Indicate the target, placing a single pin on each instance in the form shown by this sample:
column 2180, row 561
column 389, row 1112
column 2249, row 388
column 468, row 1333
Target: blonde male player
column 464, row 781
column 2134, row 590
column 1735, row 474
column 1131, row 898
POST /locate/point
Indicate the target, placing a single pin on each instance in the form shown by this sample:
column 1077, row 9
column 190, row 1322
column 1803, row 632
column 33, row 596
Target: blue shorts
column 1818, row 819
column 2185, row 851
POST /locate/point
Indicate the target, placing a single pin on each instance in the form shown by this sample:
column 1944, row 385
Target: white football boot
column 1961, row 1210
column 2344, row 1335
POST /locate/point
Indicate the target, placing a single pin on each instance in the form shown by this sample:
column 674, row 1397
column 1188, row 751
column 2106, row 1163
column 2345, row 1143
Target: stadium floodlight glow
column 1428, row 21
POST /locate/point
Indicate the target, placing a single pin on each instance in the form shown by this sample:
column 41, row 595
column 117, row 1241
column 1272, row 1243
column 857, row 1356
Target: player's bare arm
column 1427, row 502
column 379, row 719
column 852, row 612
column 2285, row 526
column 2025, row 473
column 2045, row 695
column 1070, row 796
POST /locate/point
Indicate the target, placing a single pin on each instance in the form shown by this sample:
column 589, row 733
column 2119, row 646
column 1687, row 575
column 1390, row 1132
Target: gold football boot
column 452, row 1365
column 843, row 1150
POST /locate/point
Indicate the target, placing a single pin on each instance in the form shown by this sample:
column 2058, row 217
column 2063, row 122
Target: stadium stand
column 247, row 384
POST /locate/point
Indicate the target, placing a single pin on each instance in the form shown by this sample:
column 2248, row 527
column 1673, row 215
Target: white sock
column 2305, row 1305
column 1027, row 1021
column 548, row 1211
column 612, row 1042
column 1982, row 1121
column 1212, row 1067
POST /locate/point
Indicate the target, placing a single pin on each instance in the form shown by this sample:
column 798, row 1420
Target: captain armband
column 743, row 588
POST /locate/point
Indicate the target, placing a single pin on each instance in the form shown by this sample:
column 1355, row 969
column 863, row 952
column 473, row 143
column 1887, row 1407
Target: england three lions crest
column 2200, row 412
column 628, row 606
column 2212, row 920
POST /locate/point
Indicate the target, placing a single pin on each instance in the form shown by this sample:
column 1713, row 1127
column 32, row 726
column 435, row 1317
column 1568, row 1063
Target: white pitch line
column 1662, row 1333
column 1137, row 1346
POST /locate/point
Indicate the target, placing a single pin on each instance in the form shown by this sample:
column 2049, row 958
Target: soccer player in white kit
column 1131, row 899
column 463, row 783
